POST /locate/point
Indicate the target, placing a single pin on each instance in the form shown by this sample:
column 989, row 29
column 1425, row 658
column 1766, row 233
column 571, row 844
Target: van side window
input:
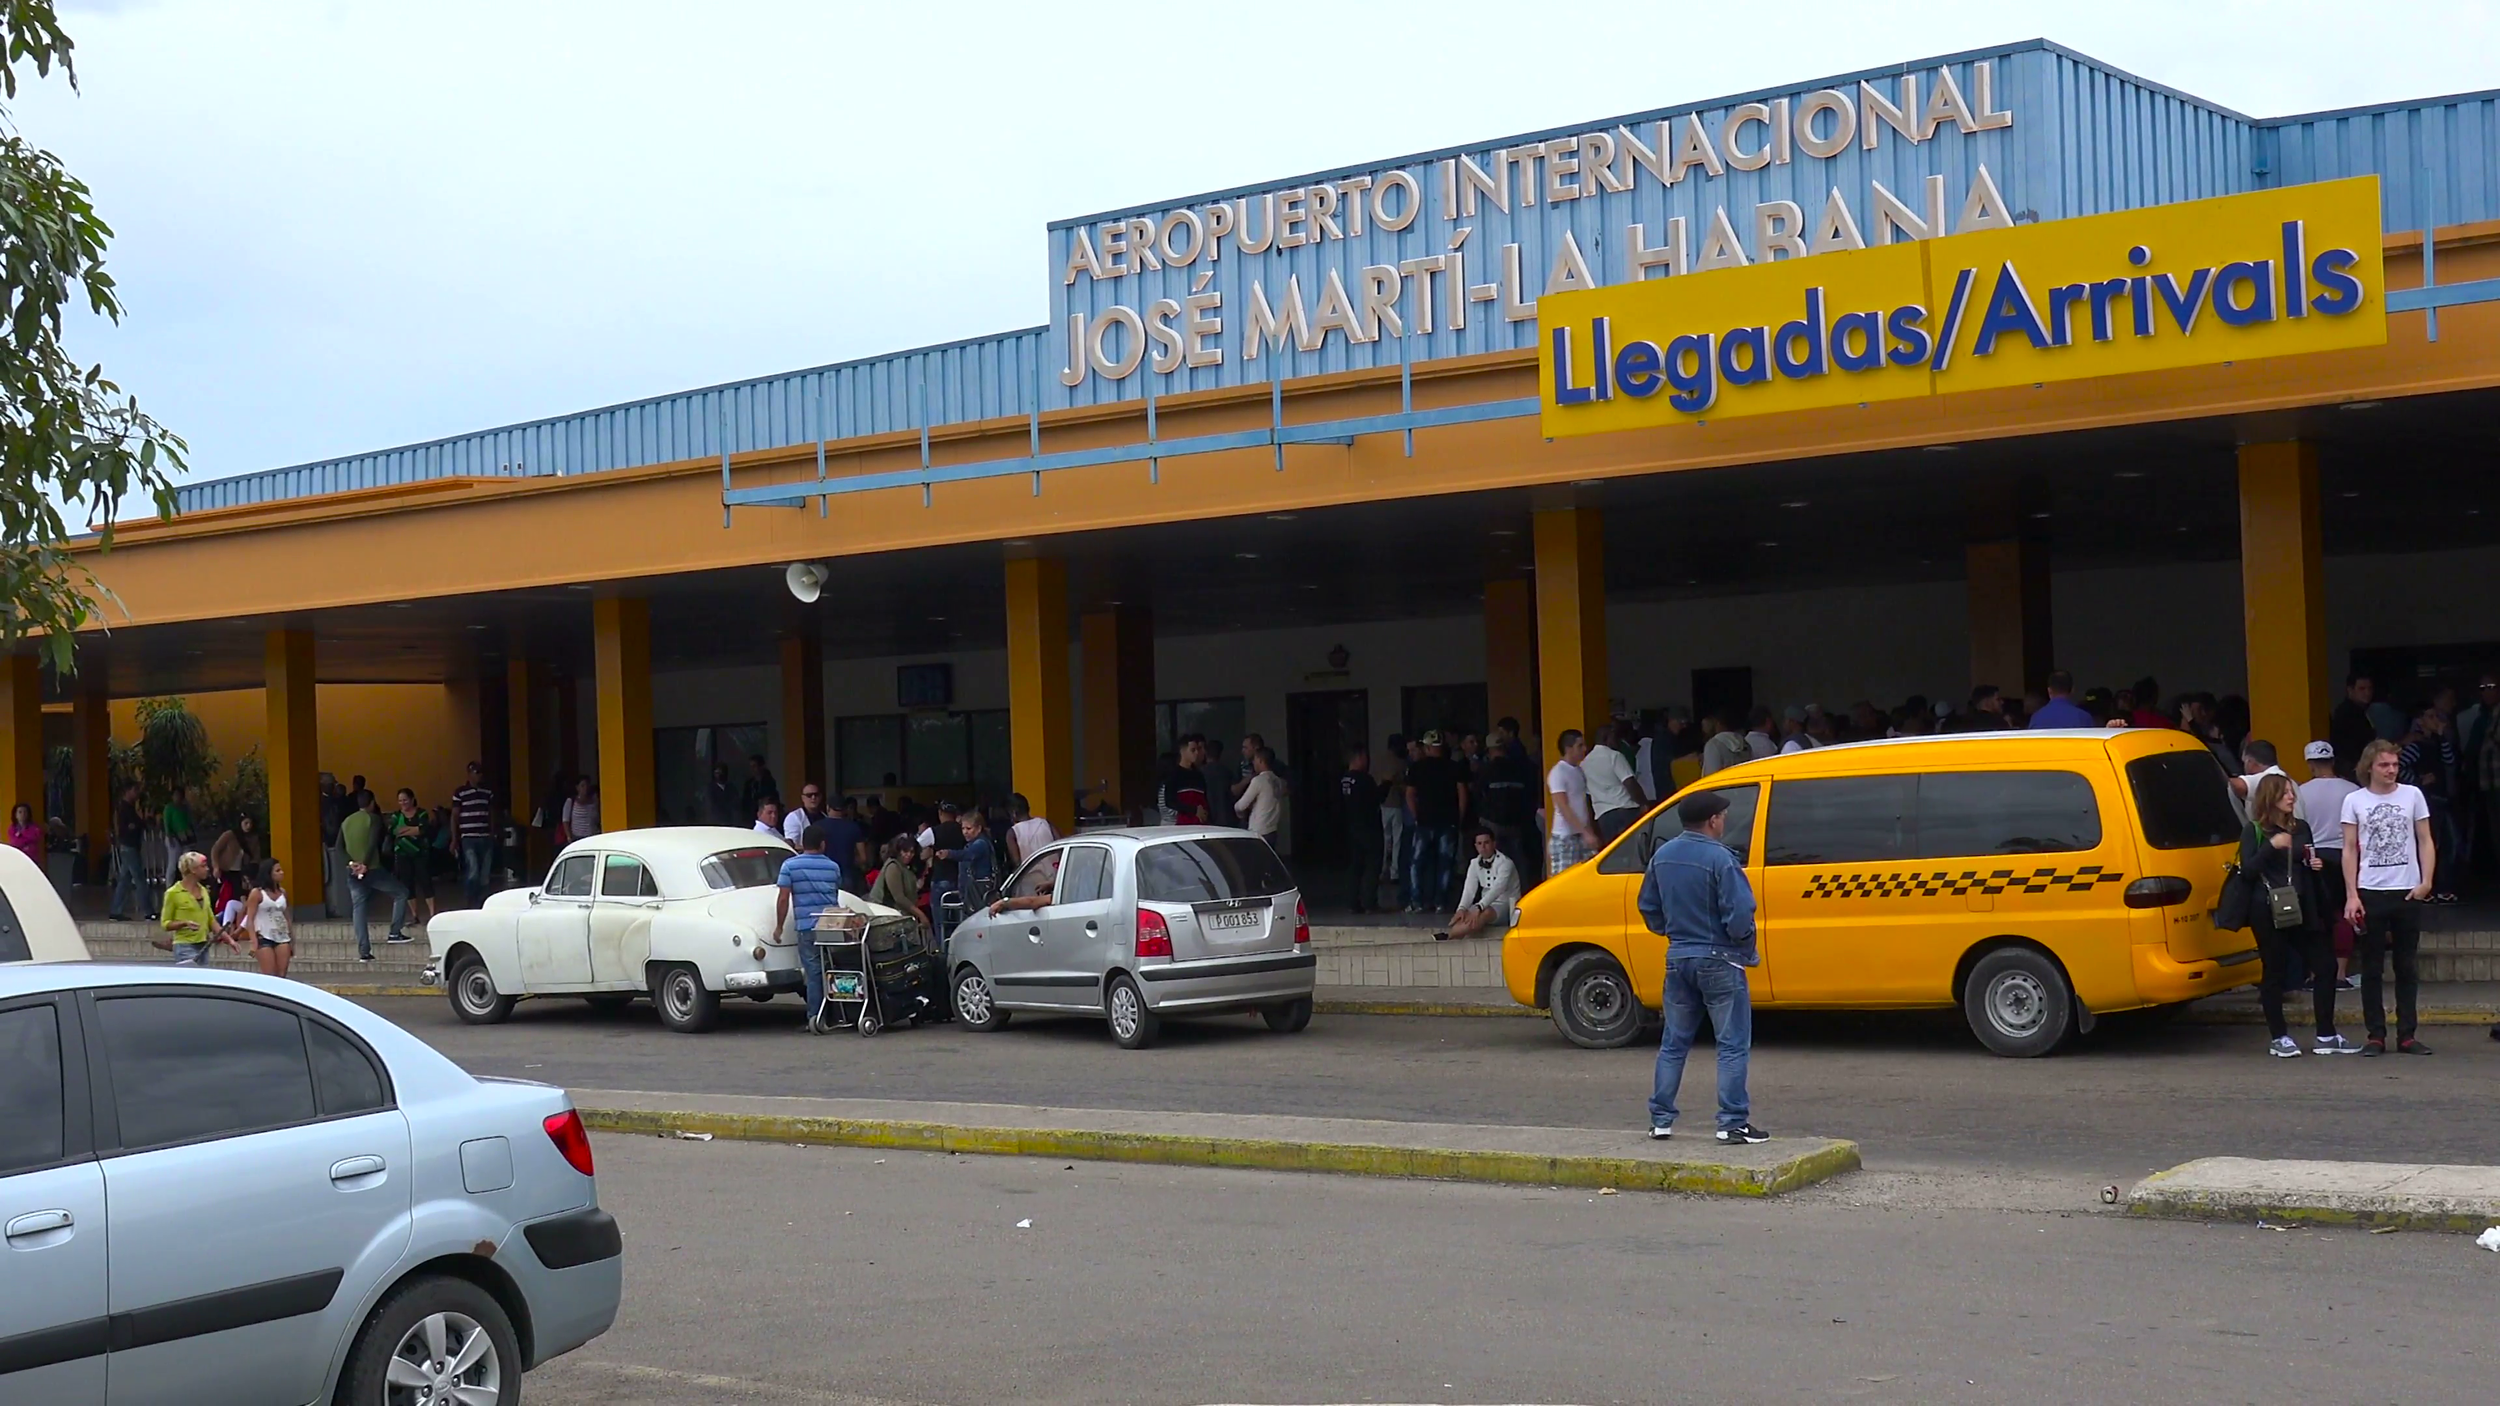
column 1971, row 813
column 1841, row 820
column 1632, row 856
column 2183, row 800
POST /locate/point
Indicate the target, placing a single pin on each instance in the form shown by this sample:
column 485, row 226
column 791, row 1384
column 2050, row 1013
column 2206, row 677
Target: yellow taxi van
column 2035, row 880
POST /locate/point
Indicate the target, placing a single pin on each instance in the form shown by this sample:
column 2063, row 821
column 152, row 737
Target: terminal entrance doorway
column 1321, row 730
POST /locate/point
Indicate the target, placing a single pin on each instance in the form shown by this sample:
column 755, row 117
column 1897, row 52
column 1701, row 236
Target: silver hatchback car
column 222, row 1187
column 1135, row 926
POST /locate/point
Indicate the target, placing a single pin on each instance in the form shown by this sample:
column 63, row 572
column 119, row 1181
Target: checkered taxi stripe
column 1969, row 881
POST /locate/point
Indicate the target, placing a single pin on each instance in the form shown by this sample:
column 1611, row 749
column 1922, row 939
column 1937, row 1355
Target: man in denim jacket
column 1695, row 895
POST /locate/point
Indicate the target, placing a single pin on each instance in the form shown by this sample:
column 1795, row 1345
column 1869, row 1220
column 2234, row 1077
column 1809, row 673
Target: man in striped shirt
column 473, row 828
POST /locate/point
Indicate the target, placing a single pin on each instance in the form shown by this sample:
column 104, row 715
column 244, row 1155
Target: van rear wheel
column 1594, row 1005
column 2018, row 1003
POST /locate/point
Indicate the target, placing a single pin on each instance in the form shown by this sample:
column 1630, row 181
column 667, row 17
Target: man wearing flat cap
column 1695, row 895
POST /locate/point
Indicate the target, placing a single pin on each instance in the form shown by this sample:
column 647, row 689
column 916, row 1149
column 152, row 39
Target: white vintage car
column 683, row 915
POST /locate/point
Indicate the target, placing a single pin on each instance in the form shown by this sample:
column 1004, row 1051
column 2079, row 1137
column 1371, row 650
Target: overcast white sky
column 348, row 225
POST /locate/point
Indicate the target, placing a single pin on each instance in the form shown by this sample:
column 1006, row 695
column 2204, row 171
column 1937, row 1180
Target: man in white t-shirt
column 2388, row 861
column 1614, row 794
column 1029, row 832
column 2257, row 762
column 1572, row 834
column 2322, row 805
column 1261, row 804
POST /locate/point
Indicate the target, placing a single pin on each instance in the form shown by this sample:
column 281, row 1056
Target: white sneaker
column 1657, row 1134
column 2334, row 1044
column 2284, row 1048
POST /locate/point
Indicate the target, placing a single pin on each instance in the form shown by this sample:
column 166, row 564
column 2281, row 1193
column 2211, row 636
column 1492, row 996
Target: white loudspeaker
column 806, row 579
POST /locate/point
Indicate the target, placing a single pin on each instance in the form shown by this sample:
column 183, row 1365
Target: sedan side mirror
column 535, row 895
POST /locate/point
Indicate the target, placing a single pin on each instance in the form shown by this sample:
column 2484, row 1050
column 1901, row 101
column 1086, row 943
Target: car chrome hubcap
column 2018, row 1003
column 972, row 997
column 680, row 996
column 477, row 989
column 445, row 1357
column 1124, row 1012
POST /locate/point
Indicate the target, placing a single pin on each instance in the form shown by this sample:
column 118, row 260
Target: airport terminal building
column 1893, row 383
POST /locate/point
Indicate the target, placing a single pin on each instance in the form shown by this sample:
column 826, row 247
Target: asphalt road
column 1915, row 1092
column 770, row 1274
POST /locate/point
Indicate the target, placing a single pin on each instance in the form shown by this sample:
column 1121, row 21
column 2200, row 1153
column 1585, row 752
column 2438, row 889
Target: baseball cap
column 1433, row 738
column 2319, row 751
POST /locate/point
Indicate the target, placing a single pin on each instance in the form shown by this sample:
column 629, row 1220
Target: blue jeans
column 360, row 893
column 1432, row 872
column 477, row 862
column 812, row 967
column 125, row 883
column 1718, row 985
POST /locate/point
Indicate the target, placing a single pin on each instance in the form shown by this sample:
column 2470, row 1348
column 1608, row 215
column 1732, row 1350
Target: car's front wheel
column 1594, row 1006
column 976, row 1005
column 434, row 1340
column 473, row 995
column 685, row 1003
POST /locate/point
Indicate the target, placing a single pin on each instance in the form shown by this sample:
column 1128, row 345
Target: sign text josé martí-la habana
column 2270, row 273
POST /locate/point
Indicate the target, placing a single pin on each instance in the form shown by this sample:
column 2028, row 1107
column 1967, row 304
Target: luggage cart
column 841, row 940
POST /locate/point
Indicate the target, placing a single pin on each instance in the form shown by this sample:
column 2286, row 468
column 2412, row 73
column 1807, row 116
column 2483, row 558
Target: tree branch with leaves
column 70, row 440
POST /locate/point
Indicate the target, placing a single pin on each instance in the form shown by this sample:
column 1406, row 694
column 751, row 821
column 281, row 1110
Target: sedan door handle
column 1033, row 934
column 352, row 1168
column 40, row 1223
column 1092, row 928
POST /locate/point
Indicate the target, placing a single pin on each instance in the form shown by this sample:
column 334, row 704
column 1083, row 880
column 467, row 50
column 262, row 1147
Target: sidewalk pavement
column 1617, row 1158
column 2441, row 1003
column 2390, row 1194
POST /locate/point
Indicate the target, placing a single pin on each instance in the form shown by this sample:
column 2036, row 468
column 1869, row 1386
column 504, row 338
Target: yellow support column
column 293, row 737
column 1118, row 647
column 2283, row 594
column 1510, row 652
column 1570, row 623
column 621, row 630
column 2008, row 583
column 91, row 762
column 21, row 757
column 802, row 718
column 1039, row 707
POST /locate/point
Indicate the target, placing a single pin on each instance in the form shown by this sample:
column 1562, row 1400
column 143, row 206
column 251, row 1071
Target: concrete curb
column 1324, row 1006
column 352, row 989
column 2246, row 1189
column 1815, row 1162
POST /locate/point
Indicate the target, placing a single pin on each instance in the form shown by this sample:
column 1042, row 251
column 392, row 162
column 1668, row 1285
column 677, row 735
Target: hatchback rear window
column 755, row 868
column 2184, row 800
column 1201, row 871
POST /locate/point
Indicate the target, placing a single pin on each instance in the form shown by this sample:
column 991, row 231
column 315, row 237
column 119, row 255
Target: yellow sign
column 2271, row 273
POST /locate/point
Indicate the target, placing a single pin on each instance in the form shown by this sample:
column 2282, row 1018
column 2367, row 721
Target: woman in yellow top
column 186, row 918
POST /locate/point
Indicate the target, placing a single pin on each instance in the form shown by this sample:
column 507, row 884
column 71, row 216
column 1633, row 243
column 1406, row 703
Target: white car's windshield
column 754, row 868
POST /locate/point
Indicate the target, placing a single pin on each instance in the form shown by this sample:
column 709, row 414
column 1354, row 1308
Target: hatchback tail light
column 1301, row 922
column 2158, row 891
column 1154, row 936
column 566, row 1132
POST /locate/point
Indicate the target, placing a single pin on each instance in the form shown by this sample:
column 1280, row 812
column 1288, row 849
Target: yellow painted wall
column 396, row 734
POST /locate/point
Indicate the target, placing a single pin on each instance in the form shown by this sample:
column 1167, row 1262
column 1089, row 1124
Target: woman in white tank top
column 268, row 918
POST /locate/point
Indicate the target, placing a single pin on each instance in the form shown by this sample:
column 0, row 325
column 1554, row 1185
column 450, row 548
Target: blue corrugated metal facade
column 2056, row 133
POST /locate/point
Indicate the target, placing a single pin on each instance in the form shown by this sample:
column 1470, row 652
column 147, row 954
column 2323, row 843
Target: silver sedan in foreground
column 222, row 1187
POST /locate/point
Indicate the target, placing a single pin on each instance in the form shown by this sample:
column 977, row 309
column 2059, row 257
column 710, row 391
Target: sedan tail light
column 2158, row 891
column 1154, row 936
column 1301, row 922
column 566, row 1132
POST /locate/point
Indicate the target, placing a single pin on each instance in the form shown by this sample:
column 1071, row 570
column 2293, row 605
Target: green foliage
column 68, row 436
column 173, row 750
column 241, row 792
